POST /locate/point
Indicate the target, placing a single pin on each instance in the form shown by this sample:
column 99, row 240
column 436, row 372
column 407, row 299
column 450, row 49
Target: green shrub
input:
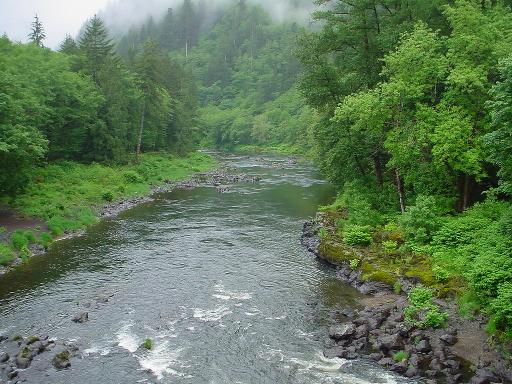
column 108, row 196
column 390, row 245
column 3, row 229
column 132, row 177
column 420, row 221
column 322, row 233
column 7, row 254
column 440, row 273
column 397, row 287
column 357, row 235
column 400, row 356
column 45, row 239
column 354, row 264
column 148, row 344
column 422, row 312
column 19, row 240
column 502, row 306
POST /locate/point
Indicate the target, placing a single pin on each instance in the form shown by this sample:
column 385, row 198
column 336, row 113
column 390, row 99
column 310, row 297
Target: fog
column 61, row 17
column 122, row 14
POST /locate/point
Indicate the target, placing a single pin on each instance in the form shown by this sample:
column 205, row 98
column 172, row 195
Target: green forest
column 404, row 105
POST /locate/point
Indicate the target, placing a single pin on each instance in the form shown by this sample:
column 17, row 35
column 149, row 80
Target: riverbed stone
column 389, row 343
column 81, row 317
column 4, row 357
column 61, row 360
column 342, row 331
column 448, row 339
column 423, row 346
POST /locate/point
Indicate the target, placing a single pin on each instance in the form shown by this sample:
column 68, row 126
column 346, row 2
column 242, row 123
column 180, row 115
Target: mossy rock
column 32, row 339
column 422, row 272
column 61, row 360
column 335, row 252
column 381, row 276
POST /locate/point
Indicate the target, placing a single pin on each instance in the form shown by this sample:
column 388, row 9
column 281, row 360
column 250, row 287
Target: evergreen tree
column 68, row 46
column 96, row 46
column 37, row 34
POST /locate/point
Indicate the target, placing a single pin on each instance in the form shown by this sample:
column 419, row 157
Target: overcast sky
column 58, row 16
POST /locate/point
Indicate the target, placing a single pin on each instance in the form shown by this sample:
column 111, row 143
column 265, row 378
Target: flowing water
column 219, row 282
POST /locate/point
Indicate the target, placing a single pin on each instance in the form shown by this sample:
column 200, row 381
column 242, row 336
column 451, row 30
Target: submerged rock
column 81, row 317
column 61, row 360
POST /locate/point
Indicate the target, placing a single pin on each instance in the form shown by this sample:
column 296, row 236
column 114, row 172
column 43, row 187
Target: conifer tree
column 96, row 45
column 68, row 46
column 37, row 34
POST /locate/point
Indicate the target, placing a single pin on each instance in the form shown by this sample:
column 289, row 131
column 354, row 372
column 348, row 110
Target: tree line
column 413, row 94
column 86, row 103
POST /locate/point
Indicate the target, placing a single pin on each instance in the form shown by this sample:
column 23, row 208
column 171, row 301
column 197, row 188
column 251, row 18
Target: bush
column 7, row 255
column 390, row 245
column 133, row 177
column 148, row 344
column 420, row 221
column 108, row 196
column 354, row 264
column 502, row 306
column 422, row 312
column 45, row 239
column 357, row 235
column 20, row 240
column 400, row 356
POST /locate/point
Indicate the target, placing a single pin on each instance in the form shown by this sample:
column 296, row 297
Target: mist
column 120, row 15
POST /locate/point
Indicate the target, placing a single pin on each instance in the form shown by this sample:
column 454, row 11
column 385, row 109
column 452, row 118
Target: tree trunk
column 378, row 170
column 465, row 193
column 400, row 190
column 141, row 129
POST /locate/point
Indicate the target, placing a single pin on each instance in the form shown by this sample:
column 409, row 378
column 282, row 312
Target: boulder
column 23, row 359
column 342, row 332
column 389, row 343
column 4, row 357
column 448, row 339
column 61, row 360
column 81, row 317
column 423, row 346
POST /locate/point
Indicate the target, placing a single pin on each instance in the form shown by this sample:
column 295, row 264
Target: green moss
column 17, row 338
column 422, row 272
column 148, row 344
column 25, row 353
column 32, row 339
column 381, row 276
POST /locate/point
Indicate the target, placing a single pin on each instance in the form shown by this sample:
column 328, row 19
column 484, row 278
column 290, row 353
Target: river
column 219, row 282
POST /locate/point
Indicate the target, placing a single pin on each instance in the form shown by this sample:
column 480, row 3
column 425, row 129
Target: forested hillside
column 414, row 104
column 246, row 70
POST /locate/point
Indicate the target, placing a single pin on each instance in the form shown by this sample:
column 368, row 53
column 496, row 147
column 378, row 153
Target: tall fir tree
column 37, row 34
column 96, row 46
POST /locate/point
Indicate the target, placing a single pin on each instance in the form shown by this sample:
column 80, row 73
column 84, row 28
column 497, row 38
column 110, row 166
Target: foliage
column 148, row 344
column 7, row 254
column 65, row 193
column 420, row 221
column 422, row 312
column 22, row 239
column 357, row 235
column 400, row 356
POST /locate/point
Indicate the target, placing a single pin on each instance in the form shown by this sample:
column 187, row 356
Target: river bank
column 460, row 351
column 64, row 198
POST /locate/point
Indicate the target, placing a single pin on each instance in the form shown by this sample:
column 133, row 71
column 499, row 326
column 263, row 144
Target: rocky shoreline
column 220, row 179
column 378, row 332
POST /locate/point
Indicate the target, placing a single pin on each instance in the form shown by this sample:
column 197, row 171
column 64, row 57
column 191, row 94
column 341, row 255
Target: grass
column 7, row 254
column 281, row 149
column 68, row 195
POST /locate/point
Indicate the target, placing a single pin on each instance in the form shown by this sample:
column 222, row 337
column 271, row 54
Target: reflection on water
column 219, row 282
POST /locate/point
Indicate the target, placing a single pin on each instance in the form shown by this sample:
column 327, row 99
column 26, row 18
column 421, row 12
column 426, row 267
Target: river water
column 219, row 282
